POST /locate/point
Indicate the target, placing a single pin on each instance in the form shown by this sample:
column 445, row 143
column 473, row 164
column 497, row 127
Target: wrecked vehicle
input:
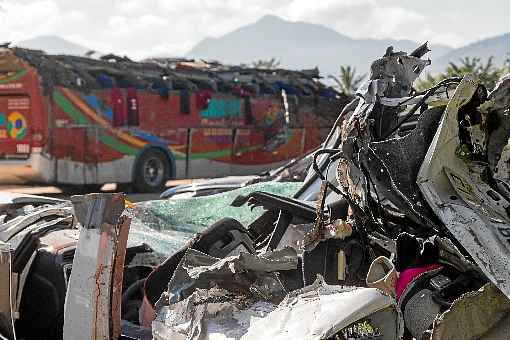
column 39, row 236
column 431, row 197
column 399, row 231
column 293, row 171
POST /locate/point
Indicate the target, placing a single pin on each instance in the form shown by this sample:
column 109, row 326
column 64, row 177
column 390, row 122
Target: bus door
column 91, row 154
column 15, row 135
column 76, row 154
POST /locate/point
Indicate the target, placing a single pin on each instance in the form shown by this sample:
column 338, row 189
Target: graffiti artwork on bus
column 13, row 125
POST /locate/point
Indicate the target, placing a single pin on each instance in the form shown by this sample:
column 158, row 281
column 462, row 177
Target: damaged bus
column 78, row 121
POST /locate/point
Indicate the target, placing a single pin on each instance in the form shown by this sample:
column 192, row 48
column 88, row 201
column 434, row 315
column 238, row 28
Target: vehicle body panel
column 474, row 219
column 95, row 287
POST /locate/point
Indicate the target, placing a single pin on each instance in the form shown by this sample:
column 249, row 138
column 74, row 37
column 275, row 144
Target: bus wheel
column 152, row 171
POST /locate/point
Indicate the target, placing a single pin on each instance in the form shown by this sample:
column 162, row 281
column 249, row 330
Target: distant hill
column 498, row 46
column 53, row 44
column 299, row 45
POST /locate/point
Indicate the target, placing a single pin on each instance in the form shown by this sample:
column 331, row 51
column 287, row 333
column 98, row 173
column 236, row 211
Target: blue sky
column 147, row 27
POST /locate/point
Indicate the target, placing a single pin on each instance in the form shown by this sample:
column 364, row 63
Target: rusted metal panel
column 89, row 295
column 118, row 275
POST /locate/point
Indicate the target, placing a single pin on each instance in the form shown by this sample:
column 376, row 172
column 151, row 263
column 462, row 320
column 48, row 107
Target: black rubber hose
column 429, row 93
column 321, row 152
column 135, row 287
column 348, row 108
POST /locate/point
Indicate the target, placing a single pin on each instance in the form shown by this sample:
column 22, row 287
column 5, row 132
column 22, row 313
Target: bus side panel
column 90, row 161
column 221, row 140
column 88, row 150
column 266, row 142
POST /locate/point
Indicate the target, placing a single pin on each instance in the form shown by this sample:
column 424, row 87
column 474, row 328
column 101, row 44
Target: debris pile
column 221, row 295
column 421, row 177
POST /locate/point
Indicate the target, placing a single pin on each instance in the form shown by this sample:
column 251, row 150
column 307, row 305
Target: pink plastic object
column 408, row 275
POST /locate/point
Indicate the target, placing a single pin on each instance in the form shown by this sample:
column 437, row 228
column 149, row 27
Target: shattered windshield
column 166, row 224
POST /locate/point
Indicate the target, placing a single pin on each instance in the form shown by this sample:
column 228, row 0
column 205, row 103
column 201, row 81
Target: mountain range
column 301, row 45
column 497, row 47
column 53, row 44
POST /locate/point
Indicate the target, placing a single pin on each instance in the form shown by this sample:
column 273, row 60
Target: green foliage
column 506, row 64
column 269, row 64
column 488, row 72
column 348, row 81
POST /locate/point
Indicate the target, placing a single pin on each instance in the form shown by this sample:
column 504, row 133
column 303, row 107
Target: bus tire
column 152, row 170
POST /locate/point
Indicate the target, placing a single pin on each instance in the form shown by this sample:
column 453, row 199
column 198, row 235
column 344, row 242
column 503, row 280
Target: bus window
column 185, row 102
column 248, row 114
column 118, row 107
column 162, row 88
column 132, row 107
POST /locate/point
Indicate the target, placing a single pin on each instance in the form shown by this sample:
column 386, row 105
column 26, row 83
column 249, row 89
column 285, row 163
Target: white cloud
column 367, row 19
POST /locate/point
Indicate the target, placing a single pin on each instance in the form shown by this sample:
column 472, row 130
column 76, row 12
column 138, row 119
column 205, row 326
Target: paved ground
column 56, row 192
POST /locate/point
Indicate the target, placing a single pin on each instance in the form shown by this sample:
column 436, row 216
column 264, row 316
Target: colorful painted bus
column 70, row 120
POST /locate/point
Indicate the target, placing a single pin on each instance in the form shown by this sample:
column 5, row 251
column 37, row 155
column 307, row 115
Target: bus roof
column 173, row 74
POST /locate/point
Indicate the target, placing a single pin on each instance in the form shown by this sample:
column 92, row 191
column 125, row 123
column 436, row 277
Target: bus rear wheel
column 151, row 172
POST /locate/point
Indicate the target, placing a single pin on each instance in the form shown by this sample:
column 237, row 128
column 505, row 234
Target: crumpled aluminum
column 208, row 295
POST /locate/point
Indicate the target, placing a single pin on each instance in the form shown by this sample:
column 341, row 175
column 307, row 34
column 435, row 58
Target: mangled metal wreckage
column 401, row 230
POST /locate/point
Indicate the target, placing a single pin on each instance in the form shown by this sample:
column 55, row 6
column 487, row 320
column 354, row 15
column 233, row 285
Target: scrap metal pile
column 401, row 230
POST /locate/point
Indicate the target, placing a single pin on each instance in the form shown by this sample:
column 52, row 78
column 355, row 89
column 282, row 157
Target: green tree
column 348, row 81
column 487, row 72
column 269, row 64
column 506, row 65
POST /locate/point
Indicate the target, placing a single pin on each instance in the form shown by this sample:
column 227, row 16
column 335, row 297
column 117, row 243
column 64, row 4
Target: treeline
column 347, row 80
column 488, row 72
